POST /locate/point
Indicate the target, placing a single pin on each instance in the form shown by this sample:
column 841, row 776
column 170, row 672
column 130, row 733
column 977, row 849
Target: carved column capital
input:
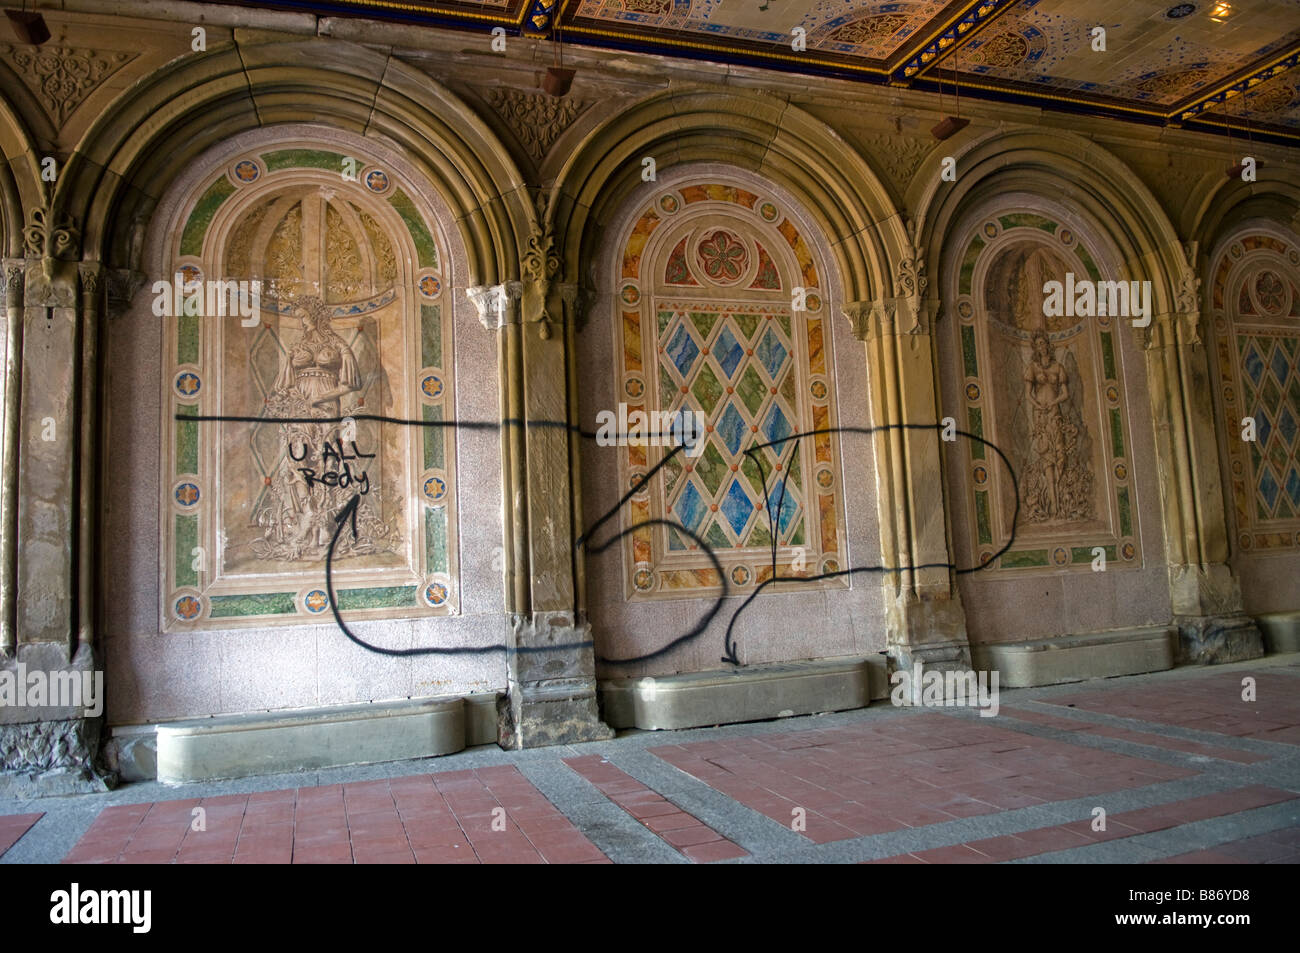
column 860, row 314
column 93, row 281
column 15, row 277
column 496, row 303
column 1171, row 329
column 122, row 285
column 578, row 302
column 910, row 284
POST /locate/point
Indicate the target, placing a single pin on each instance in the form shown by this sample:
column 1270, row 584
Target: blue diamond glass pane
column 1253, row 363
column 771, row 353
column 1286, row 425
column 1268, row 487
column 776, row 428
column 689, row 507
column 682, row 351
column 782, row 509
column 736, row 507
column 1279, row 365
column 1263, row 427
column 728, row 352
column 731, row 428
column 1293, row 486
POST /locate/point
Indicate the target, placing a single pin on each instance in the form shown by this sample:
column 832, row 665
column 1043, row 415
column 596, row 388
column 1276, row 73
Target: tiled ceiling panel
column 1164, row 62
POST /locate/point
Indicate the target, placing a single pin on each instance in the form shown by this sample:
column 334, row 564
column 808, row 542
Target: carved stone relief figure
column 317, row 379
column 1042, row 390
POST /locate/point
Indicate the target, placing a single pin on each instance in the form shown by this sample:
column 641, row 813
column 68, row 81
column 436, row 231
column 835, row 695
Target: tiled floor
column 1182, row 768
column 491, row 815
column 13, row 827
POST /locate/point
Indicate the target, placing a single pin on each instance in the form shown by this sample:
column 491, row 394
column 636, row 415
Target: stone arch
column 1075, row 172
column 147, row 162
column 20, row 179
column 1102, row 223
column 754, row 131
column 1220, row 205
column 132, row 152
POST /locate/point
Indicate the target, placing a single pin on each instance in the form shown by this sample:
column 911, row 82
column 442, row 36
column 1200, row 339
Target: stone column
column 925, row 621
column 550, row 657
column 51, row 693
column 1205, row 596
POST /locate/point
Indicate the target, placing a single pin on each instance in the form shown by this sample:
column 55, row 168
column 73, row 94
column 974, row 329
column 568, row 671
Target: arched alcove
column 697, row 314
column 1253, row 313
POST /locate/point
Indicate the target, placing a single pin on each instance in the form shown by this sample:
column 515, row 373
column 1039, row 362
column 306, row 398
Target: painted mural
column 1255, row 308
column 709, row 326
column 347, row 323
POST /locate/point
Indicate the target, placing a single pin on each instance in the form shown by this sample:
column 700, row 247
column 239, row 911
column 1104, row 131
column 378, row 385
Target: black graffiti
column 333, row 451
column 585, row 541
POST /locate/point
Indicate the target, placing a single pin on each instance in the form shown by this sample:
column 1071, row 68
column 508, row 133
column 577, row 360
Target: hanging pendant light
column 558, row 80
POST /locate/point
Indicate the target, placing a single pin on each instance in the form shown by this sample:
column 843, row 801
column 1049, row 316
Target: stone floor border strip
column 1195, row 835
column 618, row 835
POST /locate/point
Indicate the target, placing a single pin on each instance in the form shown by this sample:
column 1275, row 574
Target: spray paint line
column 348, row 514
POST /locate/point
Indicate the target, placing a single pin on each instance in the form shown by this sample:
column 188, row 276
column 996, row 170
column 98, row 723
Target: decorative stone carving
column 92, row 279
column 54, row 283
column 578, row 301
column 859, row 315
column 14, row 273
column 61, row 77
column 540, row 264
column 536, row 119
column 122, row 285
column 898, row 156
column 494, row 303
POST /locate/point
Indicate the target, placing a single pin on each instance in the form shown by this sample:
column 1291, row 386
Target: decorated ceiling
column 1202, row 64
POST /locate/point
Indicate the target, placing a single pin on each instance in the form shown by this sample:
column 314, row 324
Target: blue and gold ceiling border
column 1237, row 84
column 914, row 65
column 969, row 20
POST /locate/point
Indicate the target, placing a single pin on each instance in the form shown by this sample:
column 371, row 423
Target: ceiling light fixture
column 949, row 125
column 28, row 26
column 1220, row 12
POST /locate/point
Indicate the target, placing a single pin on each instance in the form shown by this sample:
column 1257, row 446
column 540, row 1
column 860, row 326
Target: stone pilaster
column 925, row 621
column 1205, row 596
column 551, row 669
column 51, row 697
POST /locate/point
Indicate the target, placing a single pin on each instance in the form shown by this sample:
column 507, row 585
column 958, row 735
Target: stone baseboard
column 752, row 693
column 1280, row 630
column 1075, row 658
column 236, row 746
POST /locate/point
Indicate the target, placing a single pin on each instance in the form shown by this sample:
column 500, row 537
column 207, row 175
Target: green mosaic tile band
column 187, row 442
column 982, row 517
column 206, row 207
column 430, row 336
column 425, row 250
column 975, row 417
column 1108, row 356
column 1025, row 559
column 186, row 534
column 303, row 158
column 251, row 604
column 385, row 597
